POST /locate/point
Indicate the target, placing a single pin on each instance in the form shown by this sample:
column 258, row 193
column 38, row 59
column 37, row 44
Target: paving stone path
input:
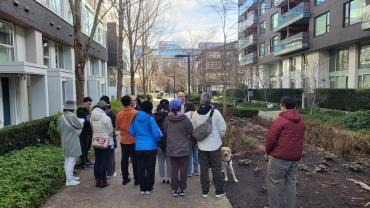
column 119, row 196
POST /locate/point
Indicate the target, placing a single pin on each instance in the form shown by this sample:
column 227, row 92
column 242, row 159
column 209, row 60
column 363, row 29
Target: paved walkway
column 116, row 195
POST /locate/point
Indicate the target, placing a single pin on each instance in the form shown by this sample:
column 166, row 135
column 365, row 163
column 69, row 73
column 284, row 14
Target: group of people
column 167, row 134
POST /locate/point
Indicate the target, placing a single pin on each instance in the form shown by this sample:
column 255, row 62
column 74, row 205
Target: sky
column 196, row 17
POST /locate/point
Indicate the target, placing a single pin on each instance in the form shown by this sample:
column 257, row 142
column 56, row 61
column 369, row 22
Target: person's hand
column 266, row 157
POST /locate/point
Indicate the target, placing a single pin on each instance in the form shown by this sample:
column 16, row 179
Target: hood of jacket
column 292, row 115
column 179, row 117
column 142, row 117
column 97, row 114
column 204, row 109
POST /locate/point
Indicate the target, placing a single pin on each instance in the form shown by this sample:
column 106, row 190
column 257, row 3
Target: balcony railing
column 366, row 17
column 244, row 43
column 246, row 5
column 291, row 44
column 250, row 58
column 279, row 3
column 297, row 13
column 247, row 22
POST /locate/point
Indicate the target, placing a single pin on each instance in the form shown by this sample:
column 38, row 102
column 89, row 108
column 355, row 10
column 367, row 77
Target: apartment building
column 210, row 71
column 37, row 58
column 305, row 44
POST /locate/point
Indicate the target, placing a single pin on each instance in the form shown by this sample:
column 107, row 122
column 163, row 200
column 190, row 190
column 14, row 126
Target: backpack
column 160, row 117
column 205, row 129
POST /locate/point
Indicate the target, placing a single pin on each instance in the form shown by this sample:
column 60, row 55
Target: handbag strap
column 66, row 121
column 212, row 111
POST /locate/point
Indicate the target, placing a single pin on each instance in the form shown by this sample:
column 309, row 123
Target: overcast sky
column 196, row 16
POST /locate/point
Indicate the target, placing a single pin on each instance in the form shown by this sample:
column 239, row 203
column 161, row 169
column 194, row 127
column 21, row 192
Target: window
column 322, row 23
column 54, row 5
column 364, row 81
column 339, row 60
column 353, row 12
column 273, row 43
column 318, row 2
column 338, row 82
column 64, row 91
column 364, row 56
column 45, row 44
column 263, row 7
column 103, row 68
column 59, row 56
column 262, row 28
column 292, row 83
column 274, row 20
column 6, row 42
column 262, row 49
column 102, row 89
column 88, row 19
column 214, row 55
column 213, row 65
column 293, row 64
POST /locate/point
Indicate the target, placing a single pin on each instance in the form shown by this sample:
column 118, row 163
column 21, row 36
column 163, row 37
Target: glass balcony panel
column 244, row 43
column 245, row 6
column 247, row 22
column 366, row 18
column 291, row 44
column 247, row 59
column 295, row 14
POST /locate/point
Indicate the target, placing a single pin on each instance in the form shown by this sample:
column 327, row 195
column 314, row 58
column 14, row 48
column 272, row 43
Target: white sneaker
column 76, row 178
column 205, row 195
column 219, row 195
column 148, row 192
column 142, row 192
column 72, row 183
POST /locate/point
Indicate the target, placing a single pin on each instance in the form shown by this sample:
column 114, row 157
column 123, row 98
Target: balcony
column 291, row 44
column 246, row 5
column 295, row 15
column 244, row 43
column 280, row 3
column 248, row 59
column 366, row 17
column 251, row 20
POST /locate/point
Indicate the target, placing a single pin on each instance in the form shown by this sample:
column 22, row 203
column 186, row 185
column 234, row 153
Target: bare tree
column 265, row 81
column 225, row 8
column 80, row 49
column 121, row 8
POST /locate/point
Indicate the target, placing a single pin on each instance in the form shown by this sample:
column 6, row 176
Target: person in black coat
column 86, row 134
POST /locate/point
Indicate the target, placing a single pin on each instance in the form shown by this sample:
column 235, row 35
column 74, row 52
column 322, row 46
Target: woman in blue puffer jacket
column 147, row 134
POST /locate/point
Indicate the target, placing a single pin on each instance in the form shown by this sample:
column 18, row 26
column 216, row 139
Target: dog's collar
column 228, row 162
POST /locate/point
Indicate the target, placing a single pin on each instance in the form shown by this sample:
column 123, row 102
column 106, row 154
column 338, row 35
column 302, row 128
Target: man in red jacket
column 283, row 147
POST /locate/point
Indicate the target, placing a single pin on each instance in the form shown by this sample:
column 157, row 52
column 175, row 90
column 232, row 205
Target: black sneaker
column 124, row 182
column 136, row 183
column 175, row 193
column 84, row 166
column 182, row 192
column 218, row 195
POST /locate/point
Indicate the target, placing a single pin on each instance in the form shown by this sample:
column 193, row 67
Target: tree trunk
column 132, row 71
column 79, row 62
column 120, row 50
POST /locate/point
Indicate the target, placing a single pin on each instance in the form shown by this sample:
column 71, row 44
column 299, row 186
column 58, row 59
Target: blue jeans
column 164, row 165
column 193, row 162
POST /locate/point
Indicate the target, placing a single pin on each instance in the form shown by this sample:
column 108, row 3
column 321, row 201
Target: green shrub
column 344, row 99
column 29, row 176
column 116, row 105
column 194, row 98
column 28, row 134
column 244, row 113
column 356, row 120
column 143, row 97
column 273, row 95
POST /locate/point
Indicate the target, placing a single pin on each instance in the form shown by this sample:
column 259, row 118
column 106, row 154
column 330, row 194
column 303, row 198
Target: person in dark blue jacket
column 147, row 134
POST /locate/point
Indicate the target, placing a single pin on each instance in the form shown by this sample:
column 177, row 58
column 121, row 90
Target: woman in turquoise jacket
column 147, row 134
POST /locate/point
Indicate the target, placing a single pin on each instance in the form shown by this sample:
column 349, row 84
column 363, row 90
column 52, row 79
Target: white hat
column 69, row 105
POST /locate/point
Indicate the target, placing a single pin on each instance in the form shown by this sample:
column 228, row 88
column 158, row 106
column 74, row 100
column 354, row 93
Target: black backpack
column 160, row 117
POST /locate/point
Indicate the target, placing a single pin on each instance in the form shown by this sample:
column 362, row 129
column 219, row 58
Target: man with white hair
column 210, row 147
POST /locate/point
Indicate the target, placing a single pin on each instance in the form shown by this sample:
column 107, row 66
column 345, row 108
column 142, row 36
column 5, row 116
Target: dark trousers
column 85, row 142
column 211, row 159
column 111, row 163
column 101, row 163
column 146, row 168
column 179, row 167
column 128, row 151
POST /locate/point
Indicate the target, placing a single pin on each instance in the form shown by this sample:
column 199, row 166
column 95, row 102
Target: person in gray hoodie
column 178, row 130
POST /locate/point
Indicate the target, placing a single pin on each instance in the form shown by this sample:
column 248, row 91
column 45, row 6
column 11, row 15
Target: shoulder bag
column 205, row 129
column 78, row 131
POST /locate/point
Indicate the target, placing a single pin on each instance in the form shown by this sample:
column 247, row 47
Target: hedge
column 344, row 99
column 41, row 131
column 30, row 175
column 145, row 97
column 245, row 113
column 273, row 95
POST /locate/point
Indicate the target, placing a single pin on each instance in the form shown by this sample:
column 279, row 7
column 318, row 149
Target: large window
column 263, row 7
column 6, row 42
column 45, row 44
column 339, row 60
column 262, row 49
column 318, row 2
column 364, row 56
column 213, row 65
column 88, row 20
column 293, row 64
column 54, row 5
column 353, row 12
column 274, row 20
column 338, row 82
column 364, row 81
column 59, row 56
column 262, row 28
column 273, row 43
column 322, row 23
